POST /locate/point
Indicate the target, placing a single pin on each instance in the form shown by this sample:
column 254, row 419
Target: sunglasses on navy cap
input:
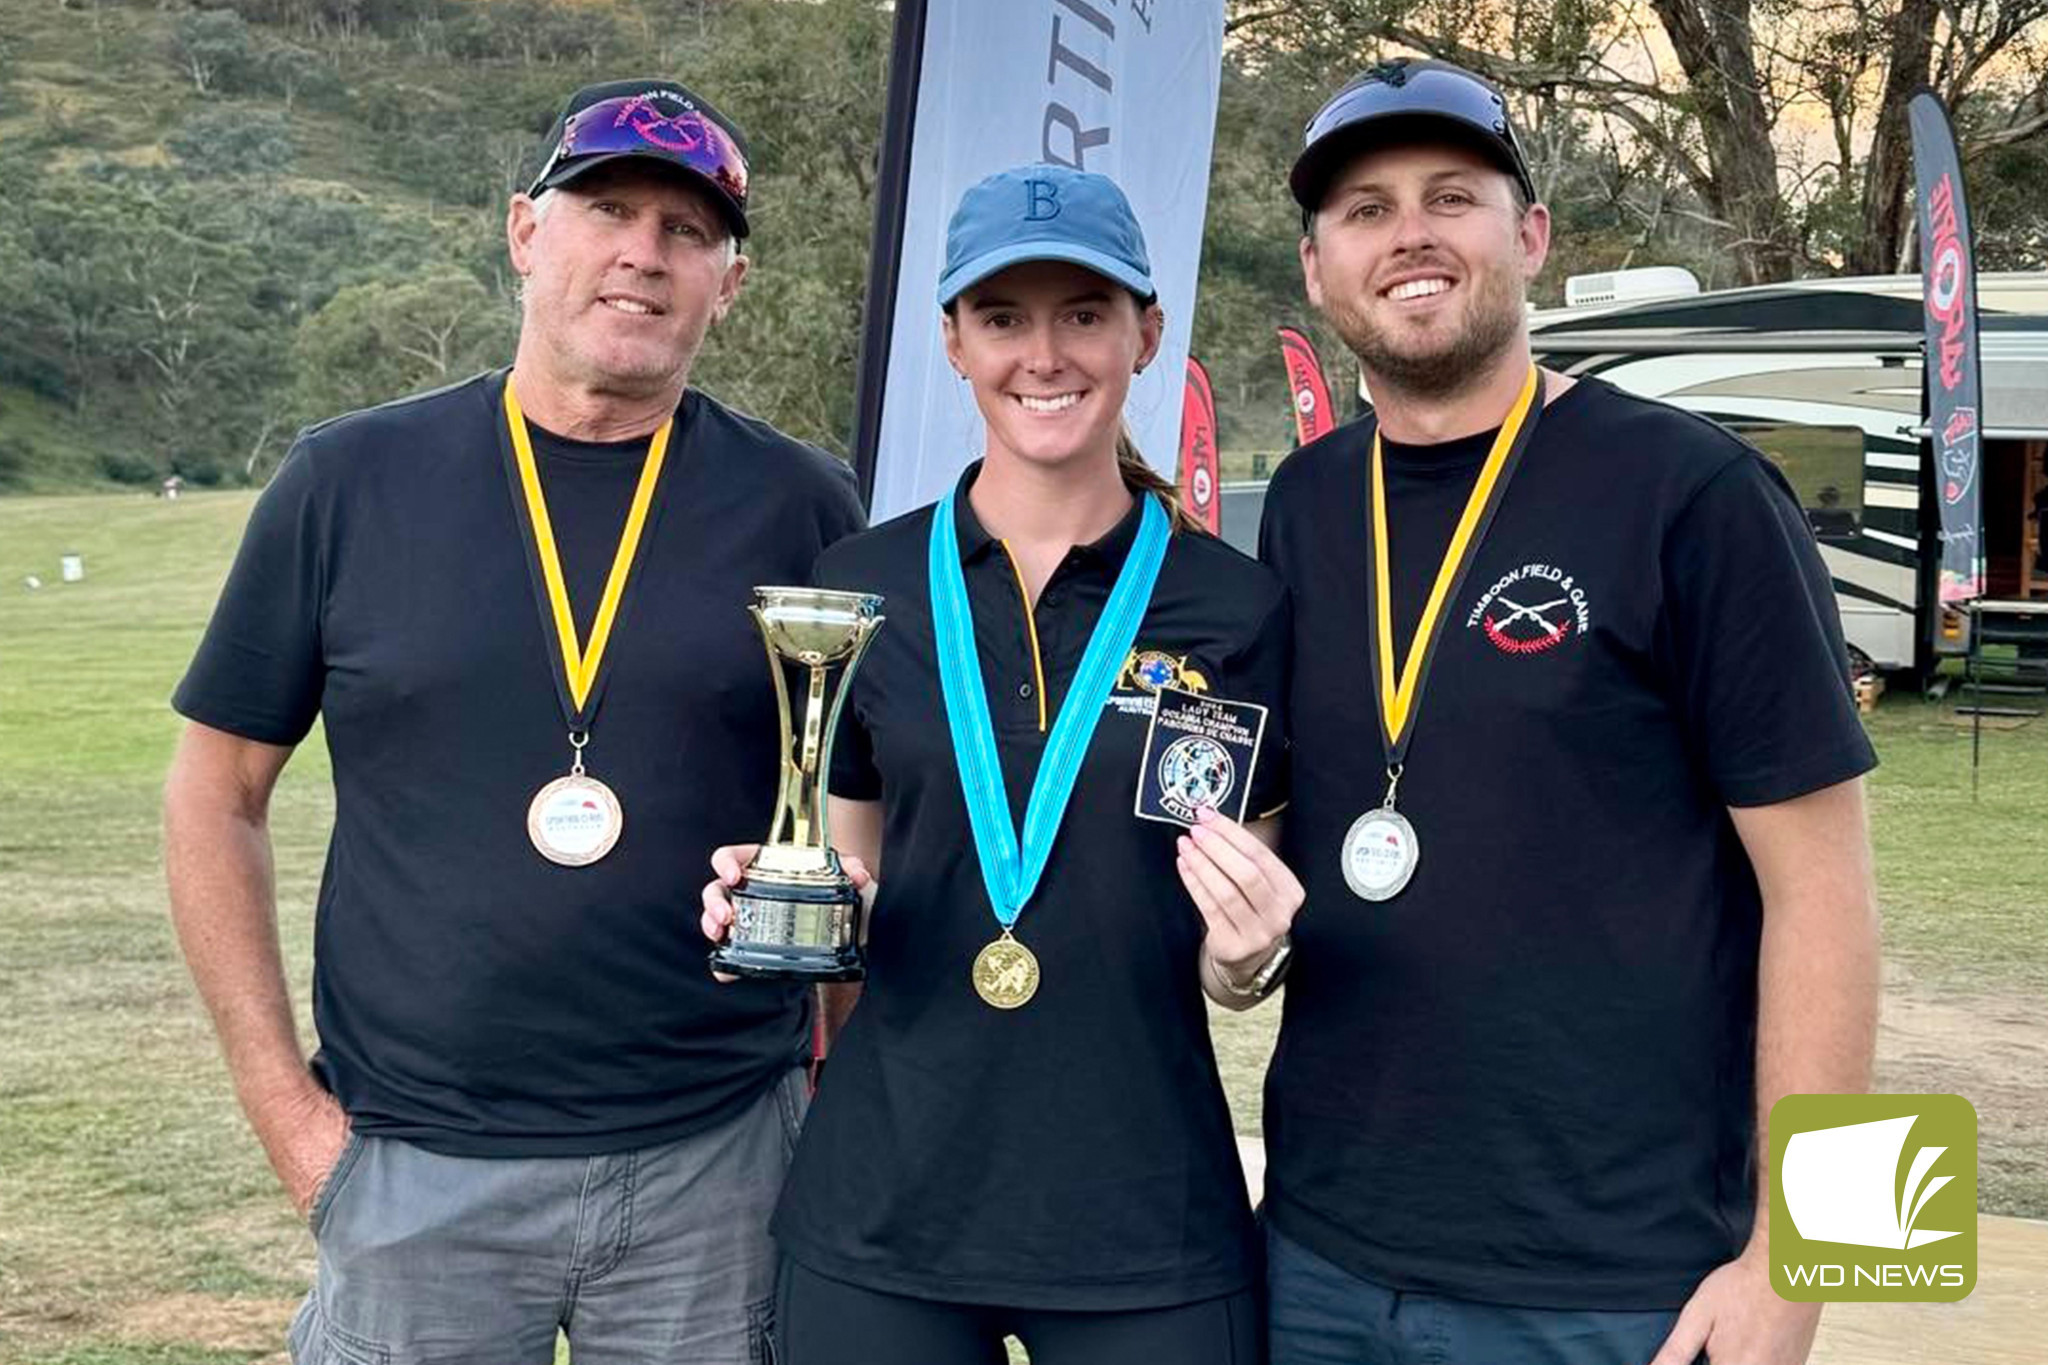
column 1403, row 97
column 658, row 127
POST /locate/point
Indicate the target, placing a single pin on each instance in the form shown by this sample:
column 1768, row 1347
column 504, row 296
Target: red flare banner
column 1198, row 472
column 1313, row 415
column 1948, row 275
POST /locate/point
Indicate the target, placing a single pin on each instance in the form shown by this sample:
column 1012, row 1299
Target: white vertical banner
column 1123, row 87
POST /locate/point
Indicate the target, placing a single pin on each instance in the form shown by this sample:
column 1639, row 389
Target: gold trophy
column 795, row 912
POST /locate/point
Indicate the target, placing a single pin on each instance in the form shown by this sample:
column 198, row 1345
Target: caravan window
column 1824, row 465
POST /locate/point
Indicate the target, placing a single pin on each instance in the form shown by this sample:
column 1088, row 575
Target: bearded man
column 1577, row 801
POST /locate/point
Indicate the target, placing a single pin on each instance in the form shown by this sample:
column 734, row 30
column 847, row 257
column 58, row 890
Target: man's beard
column 1485, row 332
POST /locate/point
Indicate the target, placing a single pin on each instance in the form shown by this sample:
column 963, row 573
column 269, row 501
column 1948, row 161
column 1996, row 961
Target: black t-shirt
column 1528, row 1078
column 469, row 995
column 1075, row 1152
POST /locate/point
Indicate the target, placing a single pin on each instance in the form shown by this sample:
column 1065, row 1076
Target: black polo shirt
column 1076, row 1152
column 1529, row 1077
column 471, row 996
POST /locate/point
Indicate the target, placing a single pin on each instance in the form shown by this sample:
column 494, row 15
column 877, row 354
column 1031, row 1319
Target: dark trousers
column 822, row 1321
column 1321, row 1314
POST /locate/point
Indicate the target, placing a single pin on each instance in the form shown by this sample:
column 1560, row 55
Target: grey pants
column 652, row 1257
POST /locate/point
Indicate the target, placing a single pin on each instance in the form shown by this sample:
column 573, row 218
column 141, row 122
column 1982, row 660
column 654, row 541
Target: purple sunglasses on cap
column 634, row 125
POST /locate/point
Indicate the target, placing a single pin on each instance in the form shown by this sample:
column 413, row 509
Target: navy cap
column 653, row 120
column 1399, row 101
column 1045, row 212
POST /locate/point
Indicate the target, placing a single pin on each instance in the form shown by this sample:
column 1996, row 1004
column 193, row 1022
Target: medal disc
column 1380, row 854
column 1005, row 973
column 574, row 820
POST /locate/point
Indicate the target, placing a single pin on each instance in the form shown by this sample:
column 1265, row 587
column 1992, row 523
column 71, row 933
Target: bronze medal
column 575, row 820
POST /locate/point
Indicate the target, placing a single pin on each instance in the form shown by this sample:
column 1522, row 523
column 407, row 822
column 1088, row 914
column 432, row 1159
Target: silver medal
column 1380, row 854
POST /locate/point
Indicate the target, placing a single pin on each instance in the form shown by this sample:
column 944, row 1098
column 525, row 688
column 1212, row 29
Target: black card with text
column 1199, row 752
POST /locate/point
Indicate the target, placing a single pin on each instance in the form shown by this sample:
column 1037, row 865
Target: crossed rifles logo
column 1546, row 634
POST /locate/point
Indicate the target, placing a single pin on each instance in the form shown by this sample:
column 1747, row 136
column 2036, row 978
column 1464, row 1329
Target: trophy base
column 757, row 963
column 787, row 930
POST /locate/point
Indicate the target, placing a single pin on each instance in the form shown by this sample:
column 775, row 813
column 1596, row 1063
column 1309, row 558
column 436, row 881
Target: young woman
column 1023, row 1132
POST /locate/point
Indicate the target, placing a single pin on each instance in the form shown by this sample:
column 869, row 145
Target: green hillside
column 228, row 221
column 235, row 220
column 224, row 220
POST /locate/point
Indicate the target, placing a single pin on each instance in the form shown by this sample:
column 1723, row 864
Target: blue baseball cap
column 1045, row 212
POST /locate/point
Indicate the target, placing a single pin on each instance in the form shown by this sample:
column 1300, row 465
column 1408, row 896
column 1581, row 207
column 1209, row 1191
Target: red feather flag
column 1198, row 472
column 1313, row 415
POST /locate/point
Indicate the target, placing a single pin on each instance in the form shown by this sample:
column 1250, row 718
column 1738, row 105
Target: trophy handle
column 791, row 776
column 859, row 651
column 809, row 807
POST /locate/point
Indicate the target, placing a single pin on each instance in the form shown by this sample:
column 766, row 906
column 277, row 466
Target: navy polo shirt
column 1076, row 1152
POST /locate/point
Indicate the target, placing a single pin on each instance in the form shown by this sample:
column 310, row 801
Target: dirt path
column 1991, row 1049
column 2003, row 1322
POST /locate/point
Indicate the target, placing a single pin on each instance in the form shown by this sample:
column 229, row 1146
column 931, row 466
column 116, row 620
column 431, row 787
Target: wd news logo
column 1873, row 1198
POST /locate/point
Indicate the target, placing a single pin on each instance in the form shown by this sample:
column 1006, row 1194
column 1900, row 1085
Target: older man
column 1577, row 799
column 517, row 606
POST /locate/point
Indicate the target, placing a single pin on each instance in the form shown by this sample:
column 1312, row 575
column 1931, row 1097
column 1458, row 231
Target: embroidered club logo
column 1531, row 610
column 1148, row 670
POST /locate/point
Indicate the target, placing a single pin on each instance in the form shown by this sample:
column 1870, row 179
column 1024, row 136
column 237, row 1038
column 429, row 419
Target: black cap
column 655, row 120
column 1405, row 100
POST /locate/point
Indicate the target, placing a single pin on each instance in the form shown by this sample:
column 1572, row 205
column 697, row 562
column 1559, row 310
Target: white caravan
column 1825, row 377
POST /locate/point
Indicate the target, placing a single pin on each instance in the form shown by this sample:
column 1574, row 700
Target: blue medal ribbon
column 1011, row 872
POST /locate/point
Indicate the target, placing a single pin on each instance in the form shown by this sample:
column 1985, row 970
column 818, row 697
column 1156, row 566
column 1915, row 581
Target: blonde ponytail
column 1141, row 477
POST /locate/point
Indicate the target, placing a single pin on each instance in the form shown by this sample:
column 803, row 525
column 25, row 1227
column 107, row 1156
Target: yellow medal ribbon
column 1397, row 697
column 581, row 662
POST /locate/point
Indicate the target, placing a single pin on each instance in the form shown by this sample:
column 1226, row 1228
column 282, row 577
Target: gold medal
column 1005, row 973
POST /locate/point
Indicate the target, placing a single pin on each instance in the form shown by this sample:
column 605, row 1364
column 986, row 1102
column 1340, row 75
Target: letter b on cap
column 1041, row 200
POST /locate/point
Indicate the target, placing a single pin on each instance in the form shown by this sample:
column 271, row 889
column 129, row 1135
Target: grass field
column 138, row 1222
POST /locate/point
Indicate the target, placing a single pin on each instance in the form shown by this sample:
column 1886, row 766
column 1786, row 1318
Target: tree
column 1743, row 67
column 2008, row 212
column 233, row 141
column 215, row 48
column 292, row 71
column 377, row 341
column 790, row 347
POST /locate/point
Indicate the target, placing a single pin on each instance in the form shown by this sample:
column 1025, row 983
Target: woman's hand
column 730, row 864
column 1246, row 895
